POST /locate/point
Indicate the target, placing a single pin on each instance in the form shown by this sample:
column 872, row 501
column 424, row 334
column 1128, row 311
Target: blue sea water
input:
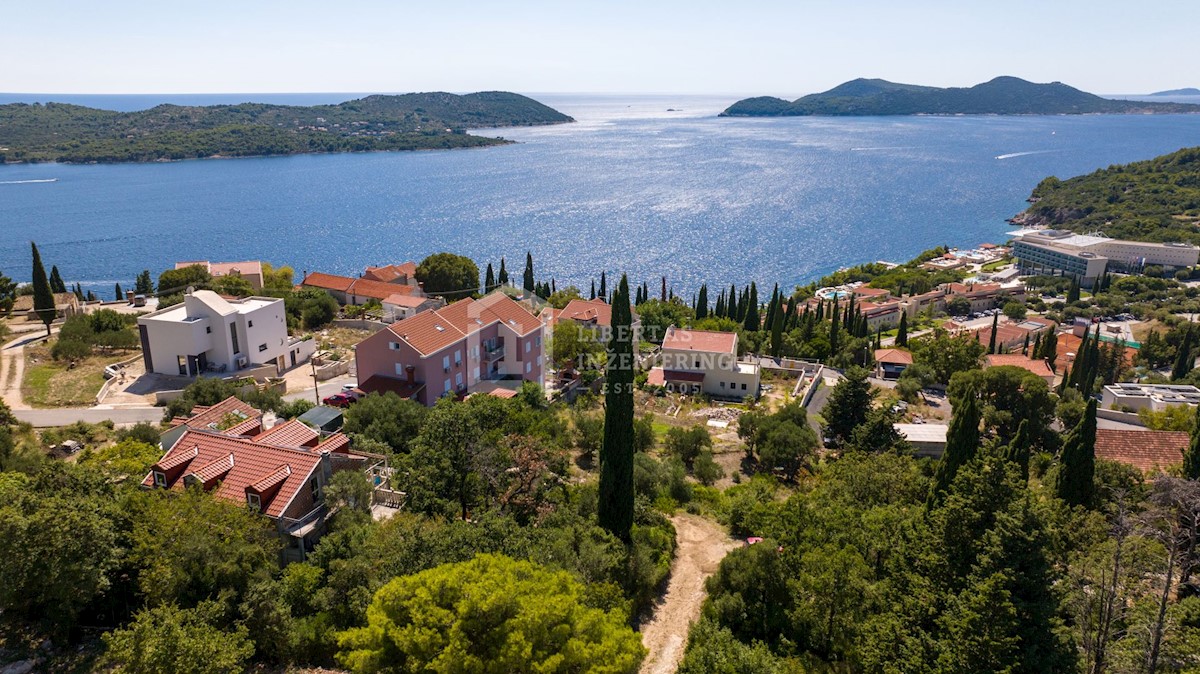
column 629, row 187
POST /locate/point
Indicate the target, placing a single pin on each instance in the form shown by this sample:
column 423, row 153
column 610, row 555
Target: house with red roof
column 404, row 274
column 1037, row 366
column 891, row 363
column 398, row 306
column 453, row 350
column 592, row 314
column 1149, row 451
column 281, row 472
column 251, row 270
column 704, row 361
column 370, row 287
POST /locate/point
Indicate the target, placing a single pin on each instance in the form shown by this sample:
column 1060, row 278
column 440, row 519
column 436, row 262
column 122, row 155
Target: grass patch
column 993, row 266
column 53, row 384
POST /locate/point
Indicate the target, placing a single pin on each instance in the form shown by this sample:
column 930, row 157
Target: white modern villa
column 702, row 361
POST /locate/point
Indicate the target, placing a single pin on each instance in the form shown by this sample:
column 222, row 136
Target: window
column 475, row 376
column 254, row 502
column 528, row 346
column 697, row 365
column 445, row 363
column 732, row 384
column 539, row 361
column 528, row 367
column 160, row 478
column 457, row 358
column 743, row 387
column 400, row 369
column 446, row 388
column 262, row 347
column 183, row 365
column 537, row 340
column 458, row 380
column 250, row 324
column 208, row 329
column 394, row 346
column 314, row 486
column 233, row 337
column 722, row 384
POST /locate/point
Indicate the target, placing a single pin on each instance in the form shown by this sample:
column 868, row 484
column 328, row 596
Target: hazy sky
column 734, row 46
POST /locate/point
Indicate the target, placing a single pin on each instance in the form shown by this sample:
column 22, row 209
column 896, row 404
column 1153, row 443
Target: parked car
column 343, row 399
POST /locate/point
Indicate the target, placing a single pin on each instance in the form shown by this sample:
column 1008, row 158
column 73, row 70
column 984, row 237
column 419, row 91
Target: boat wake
column 1023, row 154
column 26, row 182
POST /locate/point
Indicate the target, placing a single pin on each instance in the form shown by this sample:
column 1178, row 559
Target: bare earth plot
column 702, row 545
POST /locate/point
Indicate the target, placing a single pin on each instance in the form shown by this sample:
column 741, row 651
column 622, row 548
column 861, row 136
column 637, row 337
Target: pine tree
column 702, row 302
column 117, row 292
column 56, row 281
column 489, row 282
column 992, row 339
column 528, row 284
column 902, row 330
column 144, row 285
column 752, row 322
column 1019, row 449
column 603, row 285
column 1184, row 360
column 1075, row 482
column 502, row 275
column 43, row 296
column 615, row 509
column 1191, row 457
column 962, row 444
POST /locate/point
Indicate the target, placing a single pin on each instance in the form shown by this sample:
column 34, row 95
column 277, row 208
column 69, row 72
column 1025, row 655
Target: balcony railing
column 493, row 354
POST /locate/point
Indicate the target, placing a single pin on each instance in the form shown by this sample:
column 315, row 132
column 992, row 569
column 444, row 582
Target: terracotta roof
column 973, row 289
column 707, row 341
column 334, row 443
column 894, row 356
column 379, row 290
column 864, row 291
column 389, row 273
column 1068, row 345
column 400, row 300
column 502, row 393
column 655, row 377
column 1006, row 333
column 211, row 417
column 247, row 427
column 328, row 281
column 431, row 331
column 596, row 310
column 176, row 459
column 273, row 480
column 1038, row 367
column 239, row 463
column 381, row 384
column 290, row 434
column 1148, row 451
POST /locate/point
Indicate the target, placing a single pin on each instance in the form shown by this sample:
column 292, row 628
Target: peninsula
column 1187, row 91
column 1000, row 96
column 71, row 133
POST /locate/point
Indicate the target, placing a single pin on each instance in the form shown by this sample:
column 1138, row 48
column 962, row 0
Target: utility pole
column 316, row 388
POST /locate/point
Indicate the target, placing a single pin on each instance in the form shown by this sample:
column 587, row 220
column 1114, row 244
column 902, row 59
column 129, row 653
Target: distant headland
column 71, row 133
column 1187, row 91
column 1000, row 96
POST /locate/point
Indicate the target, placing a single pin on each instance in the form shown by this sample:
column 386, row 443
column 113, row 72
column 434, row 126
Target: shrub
column 70, row 349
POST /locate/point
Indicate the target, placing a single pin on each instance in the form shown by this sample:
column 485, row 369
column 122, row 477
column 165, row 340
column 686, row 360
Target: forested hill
column 1001, row 96
column 72, row 133
column 1153, row 200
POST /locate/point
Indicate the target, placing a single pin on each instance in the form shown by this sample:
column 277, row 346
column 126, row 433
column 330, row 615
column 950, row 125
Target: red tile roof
column 289, row 434
column 588, row 311
column 864, row 291
column 1038, row 367
column 334, row 443
column 360, row 287
column 176, row 459
column 211, row 417
column 247, row 427
column 893, row 356
column 707, row 341
column 273, row 480
column 389, row 273
column 431, row 331
column 1148, row 451
column 234, row 464
column 410, row 301
column 328, row 281
column 1068, row 345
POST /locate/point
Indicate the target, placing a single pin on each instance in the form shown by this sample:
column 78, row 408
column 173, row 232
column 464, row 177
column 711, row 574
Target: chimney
column 410, row 374
column 129, row 296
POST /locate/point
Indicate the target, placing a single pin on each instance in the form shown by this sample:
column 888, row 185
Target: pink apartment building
column 466, row 346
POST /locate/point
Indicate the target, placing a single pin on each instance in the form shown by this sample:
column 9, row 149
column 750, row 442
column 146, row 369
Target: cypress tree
column 992, row 339
column 489, row 279
column 1183, row 358
column 962, row 444
column 502, row 275
column 789, row 315
column 833, row 332
column 752, row 322
column 528, row 279
column 720, row 308
column 43, row 296
column 553, row 286
column 777, row 334
column 1191, row 457
column 1050, row 348
column 702, row 302
column 1025, row 347
column 91, row 296
column 1077, row 470
column 78, row 291
column 820, row 311
column 731, row 303
column 615, row 509
column 663, row 293
column 593, row 289
column 603, row 285
column 56, row 281
column 879, row 338
column 1019, row 449
column 902, row 330
column 118, row 293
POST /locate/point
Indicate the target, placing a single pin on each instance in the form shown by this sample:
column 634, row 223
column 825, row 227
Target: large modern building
column 208, row 333
column 1086, row 257
column 1154, row 397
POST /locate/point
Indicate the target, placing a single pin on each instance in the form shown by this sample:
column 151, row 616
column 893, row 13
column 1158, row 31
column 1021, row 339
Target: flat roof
column 923, row 432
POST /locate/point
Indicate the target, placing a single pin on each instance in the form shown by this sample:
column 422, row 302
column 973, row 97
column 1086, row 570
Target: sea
column 648, row 185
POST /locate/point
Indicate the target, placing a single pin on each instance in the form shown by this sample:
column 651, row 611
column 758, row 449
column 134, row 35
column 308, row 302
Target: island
column 1187, row 91
column 1000, row 96
column 62, row 132
column 1156, row 200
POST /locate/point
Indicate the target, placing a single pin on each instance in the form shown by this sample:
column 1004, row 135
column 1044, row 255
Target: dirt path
column 12, row 369
column 702, row 546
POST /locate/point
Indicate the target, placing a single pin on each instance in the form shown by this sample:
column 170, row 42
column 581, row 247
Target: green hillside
column 1000, row 96
column 1154, row 200
column 72, row 133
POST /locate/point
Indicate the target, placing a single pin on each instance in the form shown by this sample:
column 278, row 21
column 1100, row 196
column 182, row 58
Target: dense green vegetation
column 72, row 133
column 1000, row 96
column 1153, row 200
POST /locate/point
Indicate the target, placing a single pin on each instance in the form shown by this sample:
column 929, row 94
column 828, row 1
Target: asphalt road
column 326, row 389
column 62, row 417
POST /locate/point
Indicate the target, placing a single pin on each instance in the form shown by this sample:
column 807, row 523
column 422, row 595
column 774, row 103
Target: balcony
column 493, row 354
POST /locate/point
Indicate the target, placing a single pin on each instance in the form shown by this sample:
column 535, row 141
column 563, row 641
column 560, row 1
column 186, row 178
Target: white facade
column 1154, row 397
column 207, row 333
column 698, row 360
